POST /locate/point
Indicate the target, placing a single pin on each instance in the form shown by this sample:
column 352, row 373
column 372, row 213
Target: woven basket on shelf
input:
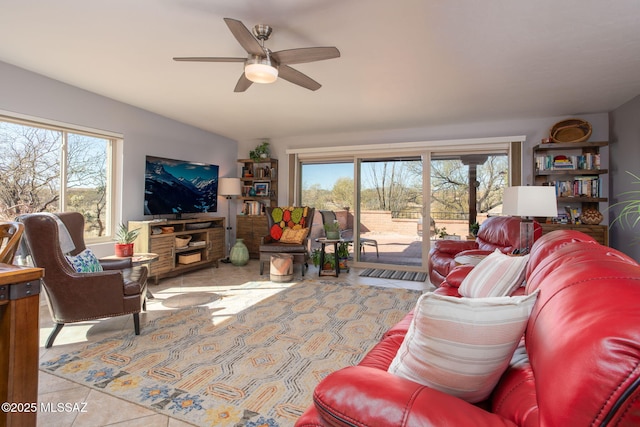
column 571, row 130
column 182, row 241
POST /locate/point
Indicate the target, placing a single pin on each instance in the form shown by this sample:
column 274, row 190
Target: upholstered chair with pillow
column 289, row 228
column 498, row 232
column 77, row 286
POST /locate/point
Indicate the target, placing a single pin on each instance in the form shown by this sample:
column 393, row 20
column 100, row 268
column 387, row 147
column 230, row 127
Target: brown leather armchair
column 76, row 297
column 286, row 218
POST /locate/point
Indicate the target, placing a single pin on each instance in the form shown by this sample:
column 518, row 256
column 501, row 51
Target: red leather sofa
column 577, row 365
column 497, row 232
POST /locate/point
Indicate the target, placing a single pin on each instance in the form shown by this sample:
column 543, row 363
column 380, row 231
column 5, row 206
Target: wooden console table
column 19, row 342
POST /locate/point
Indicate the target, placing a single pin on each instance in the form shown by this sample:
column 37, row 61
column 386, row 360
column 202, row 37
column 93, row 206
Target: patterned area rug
column 394, row 274
column 256, row 368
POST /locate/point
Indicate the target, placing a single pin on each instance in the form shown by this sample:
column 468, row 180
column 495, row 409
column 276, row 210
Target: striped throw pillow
column 497, row 275
column 461, row 346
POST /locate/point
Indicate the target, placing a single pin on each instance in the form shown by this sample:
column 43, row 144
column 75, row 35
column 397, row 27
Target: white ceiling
column 403, row 64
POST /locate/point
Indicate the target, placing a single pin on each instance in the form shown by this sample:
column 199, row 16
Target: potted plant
column 474, row 228
column 343, row 255
column 260, row 152
column 441, row 232
column 315, row 257
column 329, row 262
column 332, row 230
column 124, row 240
column 630, row 213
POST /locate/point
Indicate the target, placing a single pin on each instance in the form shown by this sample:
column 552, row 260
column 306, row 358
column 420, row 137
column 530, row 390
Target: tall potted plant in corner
column 629, row 215
column 124, row 240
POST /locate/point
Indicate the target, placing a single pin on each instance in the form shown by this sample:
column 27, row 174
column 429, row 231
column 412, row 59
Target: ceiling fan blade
column 296, row 77
column 243, row 84
column 305, row 54
column 208, row 59
column 244, row 37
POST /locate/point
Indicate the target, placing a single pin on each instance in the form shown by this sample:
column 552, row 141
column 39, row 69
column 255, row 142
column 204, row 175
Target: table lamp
column 528, row 202
column 229, row 187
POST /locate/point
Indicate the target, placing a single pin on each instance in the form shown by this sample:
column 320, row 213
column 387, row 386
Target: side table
column 139, row 260
column 19, row 341
column 323, row 242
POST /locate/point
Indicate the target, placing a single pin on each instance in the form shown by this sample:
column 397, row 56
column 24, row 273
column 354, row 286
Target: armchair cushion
column 84, row 262
column 297, row 236
column 461, row 346
column 497, row 275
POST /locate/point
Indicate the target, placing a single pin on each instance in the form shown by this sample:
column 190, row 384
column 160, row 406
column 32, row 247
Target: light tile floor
column 104, row 410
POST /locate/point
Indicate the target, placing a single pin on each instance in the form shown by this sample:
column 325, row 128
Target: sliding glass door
column 390, row 212
column 395, row 206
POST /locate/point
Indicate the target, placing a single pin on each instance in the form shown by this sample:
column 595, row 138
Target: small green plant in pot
column 343, row 254
column 124, row 240
column 332, row 230
column 315, row 257
column 260, row 152
column 474, row 228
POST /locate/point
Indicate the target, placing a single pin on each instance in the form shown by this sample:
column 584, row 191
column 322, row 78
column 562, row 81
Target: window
column 47, row 168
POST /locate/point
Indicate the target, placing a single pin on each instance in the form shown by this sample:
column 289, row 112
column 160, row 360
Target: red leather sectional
column 578, row 364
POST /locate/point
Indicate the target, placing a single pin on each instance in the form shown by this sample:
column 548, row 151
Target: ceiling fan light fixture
column 260, row 70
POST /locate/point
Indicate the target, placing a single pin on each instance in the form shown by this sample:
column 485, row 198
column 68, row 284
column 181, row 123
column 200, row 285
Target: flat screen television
column 179, row 187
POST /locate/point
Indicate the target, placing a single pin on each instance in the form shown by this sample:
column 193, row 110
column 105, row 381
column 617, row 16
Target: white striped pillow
column 496, row 275
column 461, row 346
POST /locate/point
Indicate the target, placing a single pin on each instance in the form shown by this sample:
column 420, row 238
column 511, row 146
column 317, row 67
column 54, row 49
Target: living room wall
column 31, row 94
column 625, row 152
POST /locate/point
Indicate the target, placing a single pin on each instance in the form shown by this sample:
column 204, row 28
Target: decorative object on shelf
column 124, row 240
column 528, row 202
column 239, row 253
column 229, row 187
column 591, row 217
column 261, row 189
column 260, row 152
column 630, row 213
column 571, row 130
column 182, row 241
column 332, row 230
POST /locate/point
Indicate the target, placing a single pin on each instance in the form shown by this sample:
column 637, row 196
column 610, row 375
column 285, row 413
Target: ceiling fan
column 264, row 66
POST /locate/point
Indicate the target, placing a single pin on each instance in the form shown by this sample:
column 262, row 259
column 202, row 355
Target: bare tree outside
column 31, row 175
column 29, row 170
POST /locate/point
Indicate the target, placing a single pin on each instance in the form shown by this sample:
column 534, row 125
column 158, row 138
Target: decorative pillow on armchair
column 497, row 275
column 84, row 262
column 296, row 236
column 287, row 217
column 461, row 346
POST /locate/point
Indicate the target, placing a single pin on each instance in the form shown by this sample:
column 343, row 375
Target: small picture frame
column 261, row 188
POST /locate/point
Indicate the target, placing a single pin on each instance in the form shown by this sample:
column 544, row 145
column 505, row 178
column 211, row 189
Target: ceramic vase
column 239, row 253
column 333, row 235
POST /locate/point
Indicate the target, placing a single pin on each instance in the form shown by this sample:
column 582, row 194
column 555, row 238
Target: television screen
column 179, row 187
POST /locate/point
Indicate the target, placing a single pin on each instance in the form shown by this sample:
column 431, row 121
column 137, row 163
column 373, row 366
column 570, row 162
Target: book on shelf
column 587, row 161
column 252, row 207
column 580, row 186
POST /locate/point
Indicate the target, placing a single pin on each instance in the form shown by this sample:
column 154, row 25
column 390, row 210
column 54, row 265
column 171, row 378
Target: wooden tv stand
column 205, row 248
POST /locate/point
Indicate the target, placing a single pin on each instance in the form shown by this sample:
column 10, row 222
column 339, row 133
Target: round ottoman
column 281, row 269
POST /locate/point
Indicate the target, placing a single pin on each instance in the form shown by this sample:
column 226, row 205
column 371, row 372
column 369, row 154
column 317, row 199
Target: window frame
column 113, row 144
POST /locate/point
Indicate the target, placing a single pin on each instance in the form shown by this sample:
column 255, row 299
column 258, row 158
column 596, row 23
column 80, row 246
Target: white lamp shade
column 532, row 201
column 229, row 187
